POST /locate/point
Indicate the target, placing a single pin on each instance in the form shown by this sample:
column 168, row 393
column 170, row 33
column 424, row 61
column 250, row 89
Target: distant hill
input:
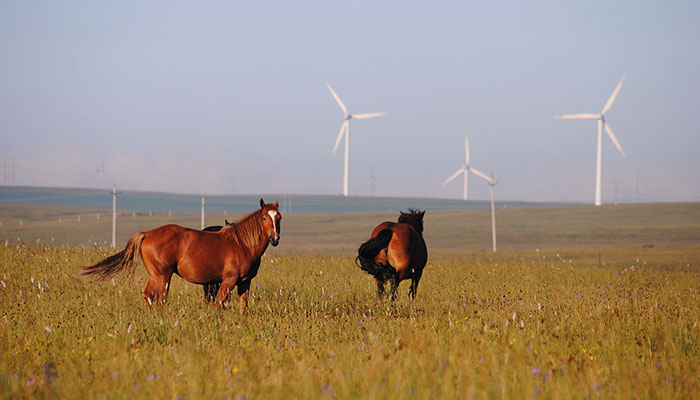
column 160, row 203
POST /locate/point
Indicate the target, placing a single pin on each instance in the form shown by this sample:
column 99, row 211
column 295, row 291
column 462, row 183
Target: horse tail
column 113, row 265
column 367, row 254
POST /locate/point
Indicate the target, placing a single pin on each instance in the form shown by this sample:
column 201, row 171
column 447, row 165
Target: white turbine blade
column 343, row 128
column 340, row 103
column 456, row 174
column 614, row 139
column 369, row 115
column 466, row 147
column 611, row 100
column 578, row 116
column 481, row 174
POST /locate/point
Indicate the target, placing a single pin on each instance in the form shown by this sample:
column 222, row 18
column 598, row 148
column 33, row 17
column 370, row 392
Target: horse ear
column 277, row 204
column 422, row 214
column 262, row 203
column 226, row 221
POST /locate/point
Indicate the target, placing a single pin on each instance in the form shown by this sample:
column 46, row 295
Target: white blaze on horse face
column 273, row 214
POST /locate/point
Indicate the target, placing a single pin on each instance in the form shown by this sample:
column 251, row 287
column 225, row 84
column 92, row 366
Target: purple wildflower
column 536, row 370
column 50, row 371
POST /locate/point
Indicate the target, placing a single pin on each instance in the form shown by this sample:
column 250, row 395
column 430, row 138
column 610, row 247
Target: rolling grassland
column 581, row 303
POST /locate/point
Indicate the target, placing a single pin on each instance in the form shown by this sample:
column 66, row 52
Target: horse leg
column 243, row 289
column 210, row 291
column 157, row 289
column 380, row 288
column 394, row 286
column 414, row 284
column 149, row 293
column 224, row 291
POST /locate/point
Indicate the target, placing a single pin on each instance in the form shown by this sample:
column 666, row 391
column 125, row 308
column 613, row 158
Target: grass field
column 457, row 231
column 576, row 306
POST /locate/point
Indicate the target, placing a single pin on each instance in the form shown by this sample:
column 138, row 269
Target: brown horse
column 230, row 256
column 396, row 251
column 211, row 289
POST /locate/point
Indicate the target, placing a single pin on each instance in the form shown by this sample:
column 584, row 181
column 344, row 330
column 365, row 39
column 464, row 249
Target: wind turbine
column 345, row 130
column 465, row 169
column 601, row 125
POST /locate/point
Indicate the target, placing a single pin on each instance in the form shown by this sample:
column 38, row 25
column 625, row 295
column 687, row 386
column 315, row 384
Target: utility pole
column 493, row 183
column 202, row 213
column 114, row 216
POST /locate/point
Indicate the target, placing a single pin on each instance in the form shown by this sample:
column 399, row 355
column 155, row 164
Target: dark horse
column 230, row 256
column 395, row 251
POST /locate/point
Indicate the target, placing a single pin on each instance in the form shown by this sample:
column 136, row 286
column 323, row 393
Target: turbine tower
column 602, row 124
column 345, row 130
column 465, row 169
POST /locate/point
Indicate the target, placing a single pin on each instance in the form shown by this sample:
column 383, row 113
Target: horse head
column 271, row 219
column 414, row 218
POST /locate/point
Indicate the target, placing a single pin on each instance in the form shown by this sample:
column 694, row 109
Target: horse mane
column 246, row 230
column 413, row 218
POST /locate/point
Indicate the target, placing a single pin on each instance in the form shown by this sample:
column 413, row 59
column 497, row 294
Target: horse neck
column 248, row 232
column 416, row 224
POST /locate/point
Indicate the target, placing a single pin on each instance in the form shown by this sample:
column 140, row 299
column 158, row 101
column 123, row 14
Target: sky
column 229, row 97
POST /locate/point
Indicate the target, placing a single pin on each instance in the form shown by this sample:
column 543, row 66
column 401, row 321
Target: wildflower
column 536, row 370
column 50, row 371
column 512, row 341
column 151, row 377
column 234, row 370
column 31, row 381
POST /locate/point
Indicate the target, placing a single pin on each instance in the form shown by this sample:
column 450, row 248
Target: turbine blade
column 343, row 128
column 614, row 139
column 369, row 115
column 578, row 116
column 481, row 174
column 466, row 147
column 456, row 174
column 611, row 100
column 337, row 99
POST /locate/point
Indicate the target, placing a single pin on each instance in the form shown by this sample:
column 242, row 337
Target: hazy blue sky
column 230, row 97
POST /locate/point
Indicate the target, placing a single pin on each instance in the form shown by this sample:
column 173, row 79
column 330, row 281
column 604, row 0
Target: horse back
column 406, row 248
column 174, row 244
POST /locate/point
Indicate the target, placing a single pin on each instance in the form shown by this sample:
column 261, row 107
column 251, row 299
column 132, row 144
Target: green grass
column 600, row 318
column 512, row 325
column 547, row 228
